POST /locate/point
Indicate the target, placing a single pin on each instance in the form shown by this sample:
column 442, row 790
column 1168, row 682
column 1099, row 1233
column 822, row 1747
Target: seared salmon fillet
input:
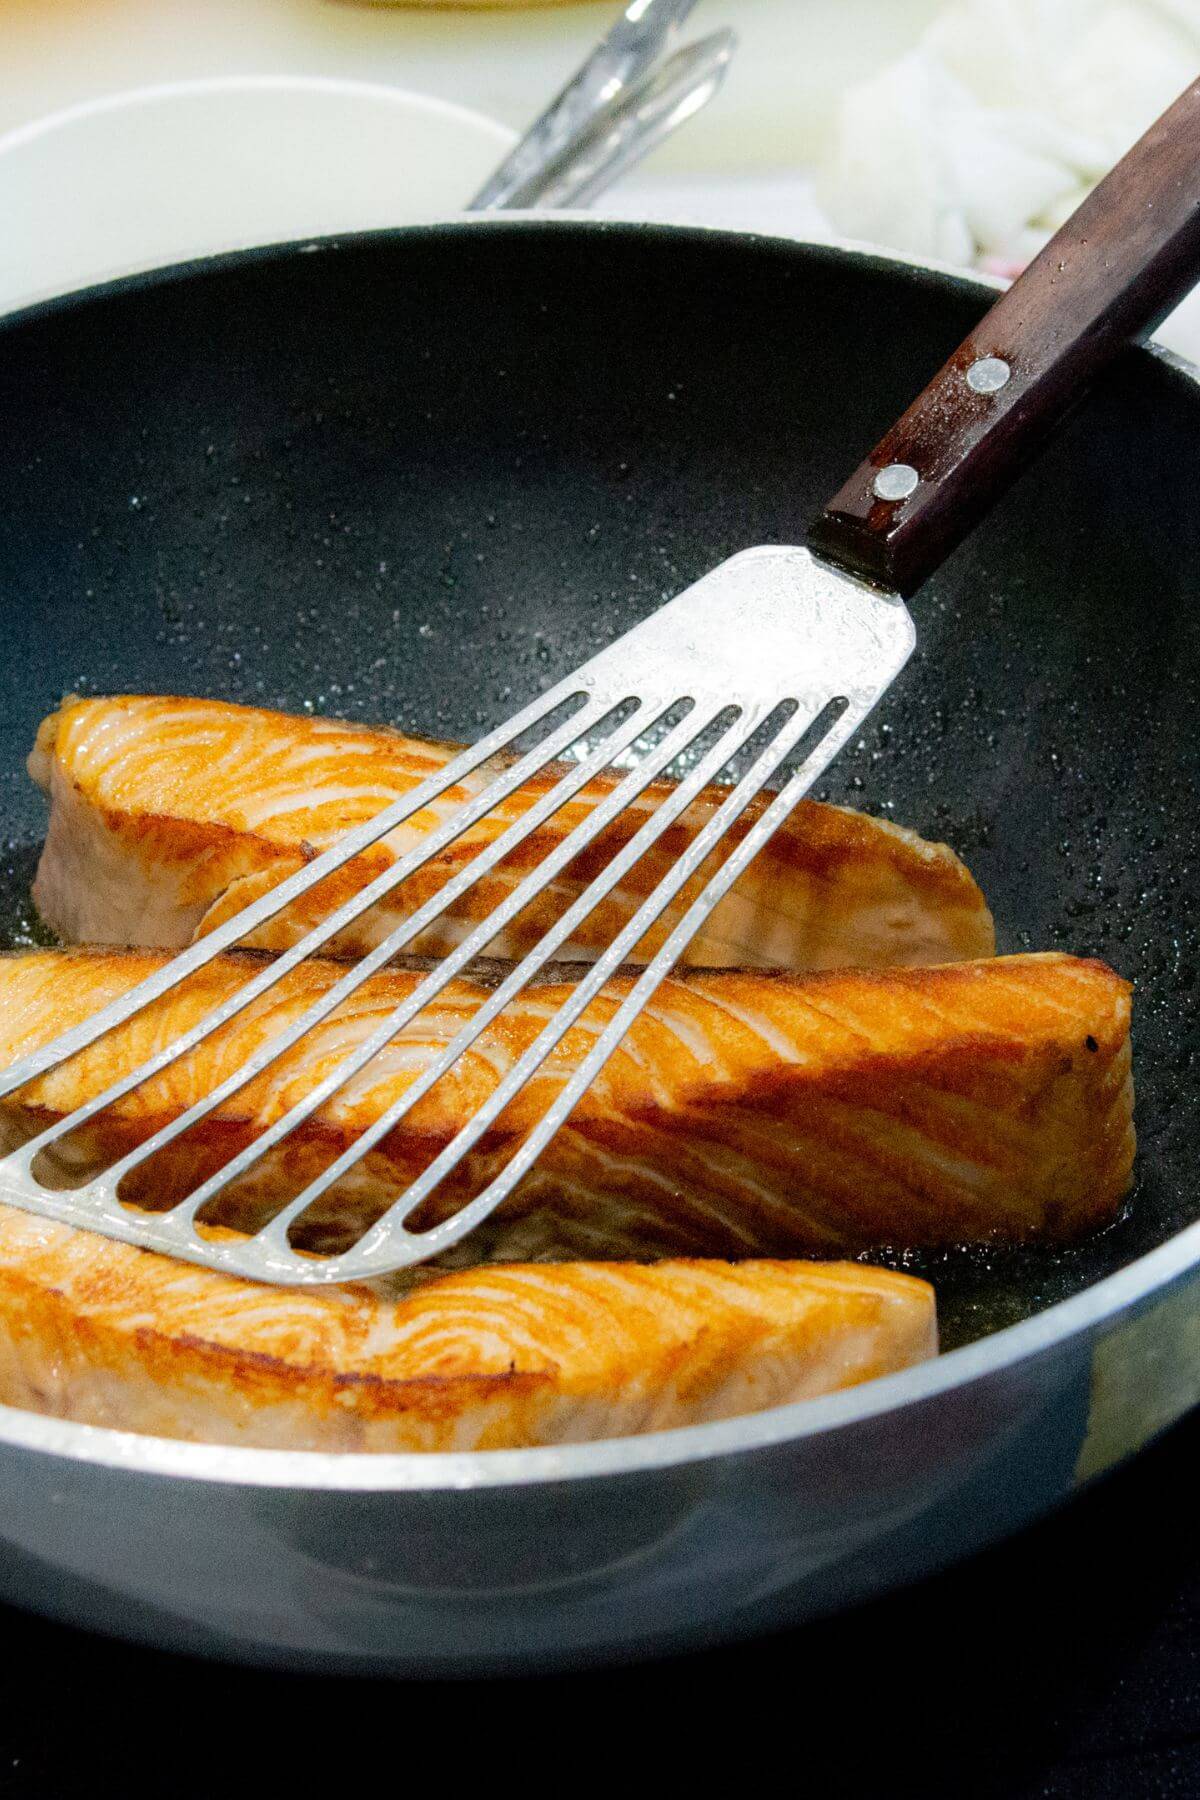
column 484, row 1359
column 169, row 815
column 745, row 1114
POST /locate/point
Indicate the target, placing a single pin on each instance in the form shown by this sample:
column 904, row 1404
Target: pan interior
column 416, row 477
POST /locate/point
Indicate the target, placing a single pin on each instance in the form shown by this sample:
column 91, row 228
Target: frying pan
column 414, row 477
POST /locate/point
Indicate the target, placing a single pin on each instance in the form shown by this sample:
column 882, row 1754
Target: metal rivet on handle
column 896, row 482
column 988, row 375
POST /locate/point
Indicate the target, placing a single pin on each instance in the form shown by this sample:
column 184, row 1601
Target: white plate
column 154, row 176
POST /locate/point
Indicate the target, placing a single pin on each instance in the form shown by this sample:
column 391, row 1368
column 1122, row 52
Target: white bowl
column 156, row 175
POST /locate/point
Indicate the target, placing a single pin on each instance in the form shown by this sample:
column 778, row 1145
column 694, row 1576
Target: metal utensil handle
column 645, row 31
column 620, row 135
column 1126, row 256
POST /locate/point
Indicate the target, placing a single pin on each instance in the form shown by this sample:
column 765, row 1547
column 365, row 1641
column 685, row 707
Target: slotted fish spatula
column 767, row 666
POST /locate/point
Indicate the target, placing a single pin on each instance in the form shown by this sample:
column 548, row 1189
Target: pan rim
column 1146, row 1278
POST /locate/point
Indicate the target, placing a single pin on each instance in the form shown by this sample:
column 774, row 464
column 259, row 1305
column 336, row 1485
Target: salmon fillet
column 745, row 1114
column 169, row 815
column 485, row 1359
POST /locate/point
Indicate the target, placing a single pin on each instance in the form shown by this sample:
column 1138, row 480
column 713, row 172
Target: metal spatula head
column 763, row 670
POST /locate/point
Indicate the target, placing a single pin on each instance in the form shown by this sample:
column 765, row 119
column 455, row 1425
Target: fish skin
column 506, row 1357
column 750, row 1113
column 168, row 815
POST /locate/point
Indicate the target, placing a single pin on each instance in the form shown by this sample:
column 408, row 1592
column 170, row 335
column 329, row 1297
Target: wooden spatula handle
column 1116, row 268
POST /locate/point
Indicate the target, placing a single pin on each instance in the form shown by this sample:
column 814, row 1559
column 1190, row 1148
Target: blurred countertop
column 795, row 58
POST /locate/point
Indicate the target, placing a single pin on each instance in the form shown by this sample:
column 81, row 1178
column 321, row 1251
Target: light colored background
column 746, row 161
column 114, row 192
column 795, row 56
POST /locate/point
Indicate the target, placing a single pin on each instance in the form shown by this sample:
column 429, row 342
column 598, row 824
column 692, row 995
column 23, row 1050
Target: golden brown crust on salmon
column 169, row 815
column 746, row 1113
column 503, row 1357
